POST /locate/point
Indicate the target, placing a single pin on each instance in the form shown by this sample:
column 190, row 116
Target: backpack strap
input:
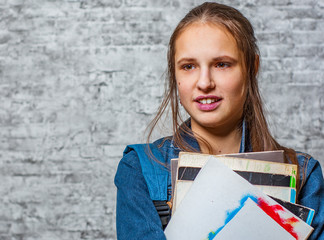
column 164, row 211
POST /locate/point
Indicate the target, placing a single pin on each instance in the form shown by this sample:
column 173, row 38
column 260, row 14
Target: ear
column 256, row 64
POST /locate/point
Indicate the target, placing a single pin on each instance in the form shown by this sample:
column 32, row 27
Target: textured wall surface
column 81, row 79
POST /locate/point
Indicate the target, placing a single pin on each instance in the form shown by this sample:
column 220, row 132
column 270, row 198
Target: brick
column 268, row 37
column 4, row 227
column 275, row 64
column 306, row 51
column 183, row 4
column 133, row 15
column 5, row 37
column 307, row 78
column 304, row 12
column 101, row 4
column 304, row 24
column 307, row 37
column 114, row 27
column 115, row 150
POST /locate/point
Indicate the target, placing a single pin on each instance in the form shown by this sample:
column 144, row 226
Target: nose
column 205, row 81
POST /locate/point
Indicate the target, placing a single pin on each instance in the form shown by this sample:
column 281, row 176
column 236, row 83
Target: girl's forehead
column 197, row 36
column 203, row 30
column 197, row 26
column 203, row 24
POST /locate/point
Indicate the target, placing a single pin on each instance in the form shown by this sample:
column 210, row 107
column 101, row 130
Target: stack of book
column 236, row 196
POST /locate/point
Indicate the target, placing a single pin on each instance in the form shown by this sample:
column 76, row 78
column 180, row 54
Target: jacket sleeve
column 136, row 216
column 312, row 195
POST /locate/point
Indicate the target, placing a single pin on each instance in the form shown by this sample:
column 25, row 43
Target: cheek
column 236, row 87
column 239, row 93
column 180, row 90
column 183, row 92
column 239, row 89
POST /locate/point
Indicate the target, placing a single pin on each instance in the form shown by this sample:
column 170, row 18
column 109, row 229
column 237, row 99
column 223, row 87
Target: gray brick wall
column 81, row 79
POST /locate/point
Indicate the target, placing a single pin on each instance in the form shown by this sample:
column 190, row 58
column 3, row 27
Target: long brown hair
column 253, row 113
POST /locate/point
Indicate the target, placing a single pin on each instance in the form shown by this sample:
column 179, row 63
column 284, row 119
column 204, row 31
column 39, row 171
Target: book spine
column 240, row 164
column 293, row 195
column 310, row 217
column 256, row 178
column 292, row 182
column 283, row 193
column 260, row 166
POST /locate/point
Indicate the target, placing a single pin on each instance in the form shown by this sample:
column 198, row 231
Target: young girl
column 213, row 62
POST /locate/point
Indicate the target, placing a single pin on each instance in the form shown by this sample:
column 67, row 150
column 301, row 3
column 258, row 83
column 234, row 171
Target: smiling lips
column 208, row 103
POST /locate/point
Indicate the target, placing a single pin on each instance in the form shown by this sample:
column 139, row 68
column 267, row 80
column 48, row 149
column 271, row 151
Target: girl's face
column 209, row 76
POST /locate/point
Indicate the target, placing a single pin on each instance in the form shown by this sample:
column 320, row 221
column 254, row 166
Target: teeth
column 207, row 101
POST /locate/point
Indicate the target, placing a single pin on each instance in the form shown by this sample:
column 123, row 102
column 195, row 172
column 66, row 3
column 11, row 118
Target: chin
column 216, row 123
column 209, row 124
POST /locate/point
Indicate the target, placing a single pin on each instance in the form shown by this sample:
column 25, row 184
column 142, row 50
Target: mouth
column 208, row 103
column 207, row 99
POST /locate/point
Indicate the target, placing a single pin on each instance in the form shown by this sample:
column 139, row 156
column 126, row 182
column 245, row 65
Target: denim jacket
column 137, row 218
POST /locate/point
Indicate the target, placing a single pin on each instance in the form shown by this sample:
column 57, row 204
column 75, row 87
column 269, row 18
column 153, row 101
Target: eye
column 188, row 67
column 222, row 65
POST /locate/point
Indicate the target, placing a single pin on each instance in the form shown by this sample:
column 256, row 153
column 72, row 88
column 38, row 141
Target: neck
column 221, row 140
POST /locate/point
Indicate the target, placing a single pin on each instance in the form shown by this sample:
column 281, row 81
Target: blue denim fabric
column 311, row 192
column 136, row 217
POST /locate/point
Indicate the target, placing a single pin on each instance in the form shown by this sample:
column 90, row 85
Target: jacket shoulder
column 154, row 162
column 307, row 165
column 305, row 161
column 153, row 151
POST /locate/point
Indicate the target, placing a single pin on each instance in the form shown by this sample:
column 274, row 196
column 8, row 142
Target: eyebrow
column 216, row 59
